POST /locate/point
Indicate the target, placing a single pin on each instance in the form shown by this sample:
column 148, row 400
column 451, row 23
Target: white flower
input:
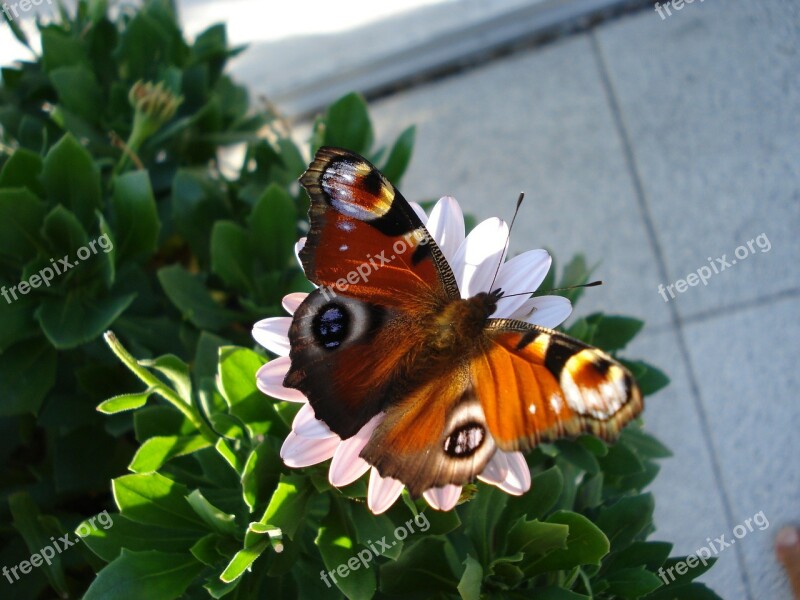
column 474, row 259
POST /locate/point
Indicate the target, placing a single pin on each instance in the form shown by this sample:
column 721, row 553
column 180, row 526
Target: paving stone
column 711, row 100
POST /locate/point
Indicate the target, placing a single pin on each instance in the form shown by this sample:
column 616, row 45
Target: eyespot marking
column 331, row 325
column 465, row 440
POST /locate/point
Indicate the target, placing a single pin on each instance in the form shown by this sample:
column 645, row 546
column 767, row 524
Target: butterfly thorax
column 460, row 323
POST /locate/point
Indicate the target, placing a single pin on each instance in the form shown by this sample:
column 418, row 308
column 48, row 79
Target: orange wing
column 538, row 385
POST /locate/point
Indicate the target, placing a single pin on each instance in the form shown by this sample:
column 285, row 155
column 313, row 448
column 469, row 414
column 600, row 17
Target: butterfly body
column 387, row 337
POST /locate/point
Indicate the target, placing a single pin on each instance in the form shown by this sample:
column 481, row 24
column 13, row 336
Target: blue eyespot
column 331, row 325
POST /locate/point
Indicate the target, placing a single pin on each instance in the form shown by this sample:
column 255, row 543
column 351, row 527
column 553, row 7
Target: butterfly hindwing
column 538, row 385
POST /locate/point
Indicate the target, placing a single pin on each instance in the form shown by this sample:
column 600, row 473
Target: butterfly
column 387, row 332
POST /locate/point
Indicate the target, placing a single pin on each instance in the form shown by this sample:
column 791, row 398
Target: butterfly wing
column 436, row 436
column 526, row 385
column 381, row 277
column 538, row 385
column 365, row 239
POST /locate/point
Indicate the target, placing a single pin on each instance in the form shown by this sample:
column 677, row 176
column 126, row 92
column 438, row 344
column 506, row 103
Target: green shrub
column 110, row 139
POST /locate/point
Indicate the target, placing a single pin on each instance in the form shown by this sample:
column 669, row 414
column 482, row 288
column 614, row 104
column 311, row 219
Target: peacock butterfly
column 454, row 384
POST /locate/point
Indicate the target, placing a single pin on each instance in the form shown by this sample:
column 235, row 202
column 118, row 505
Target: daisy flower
column 474, row 259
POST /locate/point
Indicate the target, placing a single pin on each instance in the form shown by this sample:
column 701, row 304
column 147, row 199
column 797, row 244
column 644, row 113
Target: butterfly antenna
column 571, row 287
column 508, row 238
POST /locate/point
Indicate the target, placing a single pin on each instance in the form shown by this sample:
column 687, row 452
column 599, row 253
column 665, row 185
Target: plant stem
column 158, row 386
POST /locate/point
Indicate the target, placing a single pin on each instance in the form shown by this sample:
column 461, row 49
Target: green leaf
column 21, row 215
column 586, row 545
column 632, row 582
column 621, row 461
column 558, row 593
column 614, row 333
column 154, row 575
column 124, row 402
column 348, row 124
column 190, row 296
column 75, row 319
column 66, row 235
column 153, row 499
column 27, row 373
column 155, row 451
column 348, row 561
column 644, row 444
column 197, row 203
column 273, row 227
column 578, row 456
column 535, row 538
column 243, row 559
column 136, row 219
column 78, row 91
column 217, row 520
column 469, row 587
column 71, row 178
column 22, row 169
column 17, row 320
column 160, row 420
column 541, row 498
column 27, row 521
column 261, row 473
column 427, row 565
column 237, row 376
column 288, row 506
column 60, row 49
column 692, row 591
column 482, row 517
column 232, row 255
column 205, row 549
column 624, row 520
column 653, row 379
column 648, row 554
column 108, row 543
column 680, row 570
column 400, row 155
column 176, row 372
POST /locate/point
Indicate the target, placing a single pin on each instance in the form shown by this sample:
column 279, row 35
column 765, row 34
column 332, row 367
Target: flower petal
column 443, row 498
column 446, row 225
column 291, row 302
column 269, row 380
column 273, row 334
column 547, row 311
column 298, row 451
column 382, row 492
column 297, row 247
column 521, row 274
column 420, row 212
column 518, row 479
column 496, row 470
column 307, row 425
column 347, row 465
column 477, row 258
